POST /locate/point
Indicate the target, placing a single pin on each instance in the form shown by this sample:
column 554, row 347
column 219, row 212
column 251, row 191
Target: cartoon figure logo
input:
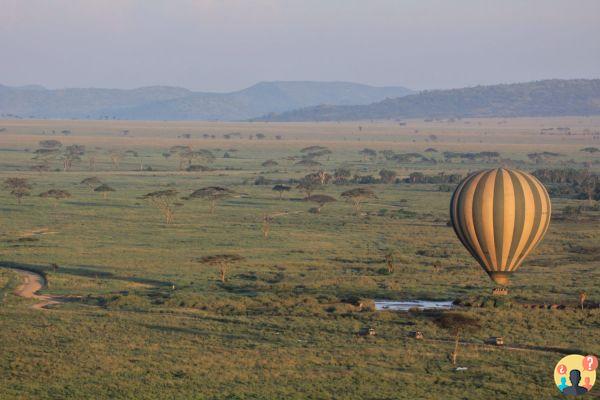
column 576, row 374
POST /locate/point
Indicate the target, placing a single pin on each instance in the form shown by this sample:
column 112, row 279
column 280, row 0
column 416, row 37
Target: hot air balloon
column 500, row 215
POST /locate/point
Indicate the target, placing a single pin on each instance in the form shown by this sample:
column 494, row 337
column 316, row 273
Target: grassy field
column 145, row 320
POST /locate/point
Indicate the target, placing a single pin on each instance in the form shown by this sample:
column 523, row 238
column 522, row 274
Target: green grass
column 153, row 323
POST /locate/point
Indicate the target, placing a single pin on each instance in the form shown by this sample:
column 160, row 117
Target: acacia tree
column 281, row 189
column 50, row 144
column 48, row 151
column 311, row 164
column 163, row 200
column 368, row 154
column 313, row 149
column 18, row 187
column 342, row 175
column 321, row 200
column 91, row 182
column 307, row 186
column 92, row 160
column 40, row 168
column 71, row 154
column 137, row 155
column 116, row 157
column 591, row 150
column 56, row 195
column 104, row 189
column 270, row 163
column 312, row 182
column 222, row 261
column 213, row 194
column 45, row 156
column 458, row 324
column 187, row 155
column 357, row 197
column 267, row 220
column 589, row 184
column 181, row 151
column 387, row 175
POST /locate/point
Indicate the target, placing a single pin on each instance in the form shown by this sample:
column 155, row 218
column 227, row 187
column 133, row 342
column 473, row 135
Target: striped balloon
column 500, row 215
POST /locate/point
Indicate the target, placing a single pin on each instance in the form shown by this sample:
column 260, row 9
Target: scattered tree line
column 568, row 182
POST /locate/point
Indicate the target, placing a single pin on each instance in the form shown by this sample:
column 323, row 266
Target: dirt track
column 32, row 283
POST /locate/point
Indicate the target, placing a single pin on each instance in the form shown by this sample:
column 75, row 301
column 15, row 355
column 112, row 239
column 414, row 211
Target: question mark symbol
column 590, row 363
column 562, row 369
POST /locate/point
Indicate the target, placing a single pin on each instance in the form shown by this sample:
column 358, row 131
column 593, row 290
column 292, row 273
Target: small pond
column 399, row 305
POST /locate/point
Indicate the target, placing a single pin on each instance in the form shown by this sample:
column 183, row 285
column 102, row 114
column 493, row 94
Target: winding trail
column 32, row 283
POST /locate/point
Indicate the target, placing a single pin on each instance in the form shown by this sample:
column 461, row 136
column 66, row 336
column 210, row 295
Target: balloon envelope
column 500, row 215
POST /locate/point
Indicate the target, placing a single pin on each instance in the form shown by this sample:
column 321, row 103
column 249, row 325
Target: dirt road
column 32, row 283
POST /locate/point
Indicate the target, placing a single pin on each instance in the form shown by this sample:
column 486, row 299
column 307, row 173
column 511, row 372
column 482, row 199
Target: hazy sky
column 222, row 45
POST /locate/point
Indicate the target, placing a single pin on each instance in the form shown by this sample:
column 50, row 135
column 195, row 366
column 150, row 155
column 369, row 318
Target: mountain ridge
column 176, row 103
column 551, row 97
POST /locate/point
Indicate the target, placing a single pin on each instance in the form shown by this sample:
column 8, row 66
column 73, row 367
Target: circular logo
column 575, row 374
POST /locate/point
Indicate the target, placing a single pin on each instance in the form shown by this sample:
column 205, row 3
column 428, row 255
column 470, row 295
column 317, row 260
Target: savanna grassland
column 143, row 317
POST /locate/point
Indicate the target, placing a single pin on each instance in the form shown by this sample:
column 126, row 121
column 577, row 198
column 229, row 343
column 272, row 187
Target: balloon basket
column 500, row 291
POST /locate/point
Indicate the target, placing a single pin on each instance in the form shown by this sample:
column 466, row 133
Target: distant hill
column 173, row 103
column 541, row 98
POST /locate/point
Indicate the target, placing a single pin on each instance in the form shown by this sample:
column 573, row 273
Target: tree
column 312, row 182
column 222, row 261
column 104, row 189
column 91, row 182
column 357, row 197
column 213, row 194
column 270, row 163
column 308, row 163
column 45, row 156
column 137, row 155
column 321, row 177
column 313, row 149
column 72, row 153
column 56, row 194
column 458, row 324
column 307, row 186
column 18, row 187
column 387, row 175
column 591, row 150
column 342, row 175
column 163, row 200
column 281, row 189
column 40, row 168
column 116, row 157
column 589, row 184
column 50, row 144
column 186, row 155
column 92, row 161
column 269, row 218
column 317, row 154
column 321, row 200
column 368, row 154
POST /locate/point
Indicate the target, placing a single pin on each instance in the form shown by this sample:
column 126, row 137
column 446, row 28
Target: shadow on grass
column 88, row 271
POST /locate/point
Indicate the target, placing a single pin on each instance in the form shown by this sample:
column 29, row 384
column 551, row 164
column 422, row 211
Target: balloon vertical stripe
column 500, row 216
